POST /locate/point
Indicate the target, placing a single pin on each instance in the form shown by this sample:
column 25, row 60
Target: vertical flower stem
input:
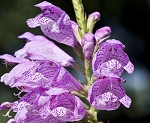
column 80, row 16
column 93, row 112
column 87, row 64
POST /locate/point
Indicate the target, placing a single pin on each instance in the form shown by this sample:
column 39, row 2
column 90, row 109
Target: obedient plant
column 50, row 93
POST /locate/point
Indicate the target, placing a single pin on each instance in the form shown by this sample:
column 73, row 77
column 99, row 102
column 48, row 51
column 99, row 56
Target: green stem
column 91, row 116
column 87, row 65
column 93, row 112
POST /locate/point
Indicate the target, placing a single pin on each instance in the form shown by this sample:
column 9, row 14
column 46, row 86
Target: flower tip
column 26, row 35
column 126, row 101
column 42, row 4
column 102, row 33
column 95, row 15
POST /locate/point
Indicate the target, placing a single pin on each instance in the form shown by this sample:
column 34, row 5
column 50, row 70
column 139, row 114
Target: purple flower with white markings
column 65, row 106
column 40, row 48
column 54, row 23
column 44, row 74
column 111, row 58
column 107, row 93
column 50, row 105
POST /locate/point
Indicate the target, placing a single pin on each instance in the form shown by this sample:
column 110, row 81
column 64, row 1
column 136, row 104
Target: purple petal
column 11, row 59
column 26, row 113
column 43, row 50
column 36, row 97
column 67, row 107
column 109, row 67
column 55, row 91
column 37, row 119
column 54, row 23
column 31, row 37
column 126, row 101
column 107, row 93
column 15, row 74
column 107, row 101
column 40, row 75
column 5, row 105
column 66, row 81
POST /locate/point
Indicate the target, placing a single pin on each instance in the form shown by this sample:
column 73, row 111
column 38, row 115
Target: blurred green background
column 130, row 23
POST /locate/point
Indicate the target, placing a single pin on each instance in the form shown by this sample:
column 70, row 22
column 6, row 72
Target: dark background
column 130, row 23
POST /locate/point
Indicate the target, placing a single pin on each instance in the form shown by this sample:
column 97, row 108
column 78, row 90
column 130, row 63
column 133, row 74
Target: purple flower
column 88, row 43
column 107, row 93
column 42, row 105
column 26, row 113
column 40, row 75
column 64, row 105
column 44, row 74
column 40, row 48
column 54, row 23
column 111, row 58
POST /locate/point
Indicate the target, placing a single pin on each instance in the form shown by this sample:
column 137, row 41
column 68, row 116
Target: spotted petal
column 107, row 93
column 54, row 23
column 40, row 75
column 66, row 81
column 111, row 57
column 15, row 74
column 66, row 107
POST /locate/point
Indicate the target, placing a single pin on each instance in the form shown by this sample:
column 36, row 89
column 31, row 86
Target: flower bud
column 88, row 43
column 102, row 34
column 92, row 19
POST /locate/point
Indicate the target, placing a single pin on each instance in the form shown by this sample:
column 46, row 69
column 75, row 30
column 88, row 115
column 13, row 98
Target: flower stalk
column 87, row 64
column 80, row 16
column 52, row 94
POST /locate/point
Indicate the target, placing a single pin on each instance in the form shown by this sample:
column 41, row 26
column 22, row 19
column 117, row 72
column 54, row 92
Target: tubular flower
column 44, row 74
column 54, row 23
column 42, row 105
column 107, row 93
column 111, row 58
column 40, row 48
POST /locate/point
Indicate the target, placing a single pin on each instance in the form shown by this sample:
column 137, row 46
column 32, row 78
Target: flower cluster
column 51, row 93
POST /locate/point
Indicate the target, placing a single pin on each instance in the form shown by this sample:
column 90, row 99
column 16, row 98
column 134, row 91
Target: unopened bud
column 92, row 19
column 102, row 34
column 88, row 43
